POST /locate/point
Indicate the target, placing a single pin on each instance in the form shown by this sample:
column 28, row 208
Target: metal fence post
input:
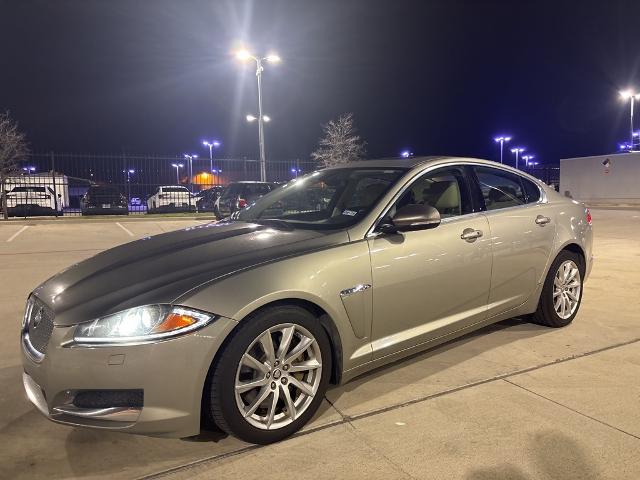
column 53, row 178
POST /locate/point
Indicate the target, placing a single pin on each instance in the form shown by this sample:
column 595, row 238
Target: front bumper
column 170, row 373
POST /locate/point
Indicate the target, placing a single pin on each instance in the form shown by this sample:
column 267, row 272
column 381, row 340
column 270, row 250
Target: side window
column 532, row 191
column 500, row 189
column 444, row 190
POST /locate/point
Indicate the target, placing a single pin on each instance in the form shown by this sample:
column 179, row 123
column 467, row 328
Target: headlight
column 141, row 324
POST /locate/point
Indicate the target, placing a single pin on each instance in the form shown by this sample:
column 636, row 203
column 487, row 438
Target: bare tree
column 340, row 144
column 13, row 148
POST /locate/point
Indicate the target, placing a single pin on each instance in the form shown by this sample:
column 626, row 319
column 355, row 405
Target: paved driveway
column 512, row 401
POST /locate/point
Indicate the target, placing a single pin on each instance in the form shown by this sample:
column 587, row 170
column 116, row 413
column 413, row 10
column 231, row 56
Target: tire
column 547, row 314
column 271, row 324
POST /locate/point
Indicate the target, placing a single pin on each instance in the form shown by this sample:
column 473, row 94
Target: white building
column 602, row 179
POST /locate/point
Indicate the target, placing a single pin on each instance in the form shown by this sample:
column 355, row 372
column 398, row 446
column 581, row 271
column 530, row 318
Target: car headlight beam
column 141, row 324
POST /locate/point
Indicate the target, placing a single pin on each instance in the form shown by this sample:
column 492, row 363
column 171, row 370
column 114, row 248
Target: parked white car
column 171, row 198
column 33, row 200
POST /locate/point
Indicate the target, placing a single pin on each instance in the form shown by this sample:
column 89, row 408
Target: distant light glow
column 251, row 118
column 266, row 118
column 406, row 154
column 502, row 138
column 273, row 58
column 243, row 54
column 216, row 143
column 517, row 149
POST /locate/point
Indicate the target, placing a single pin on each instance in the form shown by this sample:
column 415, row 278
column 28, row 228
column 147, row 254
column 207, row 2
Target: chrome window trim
column 428, row 168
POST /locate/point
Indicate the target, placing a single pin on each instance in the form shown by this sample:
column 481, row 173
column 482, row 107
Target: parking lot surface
column 513, row 401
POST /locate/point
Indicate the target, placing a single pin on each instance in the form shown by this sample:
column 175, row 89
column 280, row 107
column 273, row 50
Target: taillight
column 588, row 214
column 242, row 203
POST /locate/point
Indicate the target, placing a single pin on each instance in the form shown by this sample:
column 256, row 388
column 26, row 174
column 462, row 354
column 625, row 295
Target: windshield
column 335, row 198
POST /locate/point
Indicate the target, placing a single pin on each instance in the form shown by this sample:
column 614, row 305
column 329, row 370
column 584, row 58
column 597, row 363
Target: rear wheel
column 271, row 376
column 562, row 292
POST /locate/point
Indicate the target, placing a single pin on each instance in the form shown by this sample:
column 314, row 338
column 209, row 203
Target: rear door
column 522, row 233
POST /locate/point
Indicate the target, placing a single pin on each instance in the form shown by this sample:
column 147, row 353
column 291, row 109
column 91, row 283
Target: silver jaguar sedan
column 246, row 322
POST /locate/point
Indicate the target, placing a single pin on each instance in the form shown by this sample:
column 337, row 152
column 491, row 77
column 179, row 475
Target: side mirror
column 413, row 217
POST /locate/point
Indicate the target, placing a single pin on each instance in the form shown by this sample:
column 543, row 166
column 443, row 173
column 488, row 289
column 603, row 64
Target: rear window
column 500, row 189
column 103, row 191
column 29, row 189
column 175, row 190
column 253, row 190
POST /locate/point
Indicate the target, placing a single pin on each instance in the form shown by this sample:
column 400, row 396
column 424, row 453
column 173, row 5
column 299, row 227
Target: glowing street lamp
column 29, row 170
column 406, row 154
column 632, row 97
column 216, row 144
column 501, row 140
column 244, row 55
column 190, row 157
column 527, row 159
column 177, row 166
column 252, row 118
column 517, row 151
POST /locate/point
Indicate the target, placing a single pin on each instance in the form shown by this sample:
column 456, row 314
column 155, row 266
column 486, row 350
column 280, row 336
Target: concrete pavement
column 513, row 401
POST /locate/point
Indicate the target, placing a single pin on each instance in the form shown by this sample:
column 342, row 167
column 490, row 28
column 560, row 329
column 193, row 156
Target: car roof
column 392, row 162
column 409, row 163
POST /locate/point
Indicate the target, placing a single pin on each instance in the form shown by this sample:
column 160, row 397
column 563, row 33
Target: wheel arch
column 575, row 248
column 323, row 317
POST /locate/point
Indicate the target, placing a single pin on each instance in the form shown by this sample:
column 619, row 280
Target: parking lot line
column 12, row 237
column 125, row 229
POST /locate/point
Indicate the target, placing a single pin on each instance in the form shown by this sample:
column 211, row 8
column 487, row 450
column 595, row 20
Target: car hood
column 162, row 268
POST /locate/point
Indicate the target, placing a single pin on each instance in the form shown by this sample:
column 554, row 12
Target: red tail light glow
column 588, row 213
column 242, row 203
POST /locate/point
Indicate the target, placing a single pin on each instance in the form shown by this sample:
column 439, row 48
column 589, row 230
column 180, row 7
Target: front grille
column 39, row 325
column 109, row 399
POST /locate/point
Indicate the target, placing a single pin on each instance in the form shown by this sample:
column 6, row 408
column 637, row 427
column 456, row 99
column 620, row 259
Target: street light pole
column 502, row 140
column 216, row 144
column 177, row 166
column 190, row 157
column 632, row 96
column 517, row 151
column 245, row 55
column 263, row 160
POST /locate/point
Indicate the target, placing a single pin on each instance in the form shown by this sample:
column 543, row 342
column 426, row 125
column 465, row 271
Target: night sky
column 438, row 77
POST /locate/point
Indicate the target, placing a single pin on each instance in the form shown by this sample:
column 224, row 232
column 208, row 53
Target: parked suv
column 33, row 200
column 238, row 195
column 103, row 199
column 168, row 198
column 206, row 199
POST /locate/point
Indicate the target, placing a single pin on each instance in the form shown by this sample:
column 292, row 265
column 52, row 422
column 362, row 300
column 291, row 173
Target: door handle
column 542, row 220
column 470, row 234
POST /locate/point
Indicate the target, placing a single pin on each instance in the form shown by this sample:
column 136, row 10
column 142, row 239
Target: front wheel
column 562, row 292
column 271, row 376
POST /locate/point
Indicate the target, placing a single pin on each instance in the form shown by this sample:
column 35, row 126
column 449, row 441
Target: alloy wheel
column 567, row 285
column 278, row 376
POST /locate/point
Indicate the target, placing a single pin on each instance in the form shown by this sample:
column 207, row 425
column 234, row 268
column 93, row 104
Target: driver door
column 429, row 283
